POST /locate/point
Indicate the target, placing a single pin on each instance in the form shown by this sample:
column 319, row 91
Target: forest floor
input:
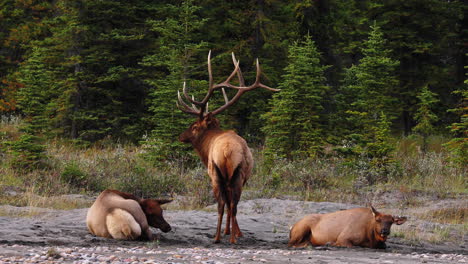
column 41, row 235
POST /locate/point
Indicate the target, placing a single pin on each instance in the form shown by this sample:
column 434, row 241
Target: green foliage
column 367, row 102
column 178, row 46
column 418, row 32
column 380, row 149
column 459, row 144
column 150, row 183
column 28, row 152
column 424, row 116
column 301, row 176
column 100, row 72
column 375, row 80
column 73, row 175
column 295, row 125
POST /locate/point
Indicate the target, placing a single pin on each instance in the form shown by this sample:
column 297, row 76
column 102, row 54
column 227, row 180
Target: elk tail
column 221, row 180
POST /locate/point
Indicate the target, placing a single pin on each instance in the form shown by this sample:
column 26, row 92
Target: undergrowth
column 68, row 168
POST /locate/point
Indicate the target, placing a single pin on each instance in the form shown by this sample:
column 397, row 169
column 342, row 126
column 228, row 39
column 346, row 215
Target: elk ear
column 210, row 120
column 399, row 220
column 374, row 212
column 164, row 201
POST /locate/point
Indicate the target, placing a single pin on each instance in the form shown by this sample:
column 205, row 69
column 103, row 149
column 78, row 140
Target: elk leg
column 237, row 199
column 221, row 203
column 342, row 243
column 227, row 230
column 234, row 223
column 220, row 220
column 236, row 193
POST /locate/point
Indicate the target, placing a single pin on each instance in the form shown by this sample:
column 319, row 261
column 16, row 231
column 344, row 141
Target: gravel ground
column 57, row 236
column 105, row 254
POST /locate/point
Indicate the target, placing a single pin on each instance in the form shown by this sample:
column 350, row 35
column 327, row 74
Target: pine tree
column 427, row 37
column 294, row 126
column 424, row 116
column 21, row 22
column 369, row 89
column 458, row 145
column 379, row 150
column 49, row 75
column 178, row 48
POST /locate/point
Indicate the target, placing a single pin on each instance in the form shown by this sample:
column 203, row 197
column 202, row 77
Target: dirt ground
column 264, row 222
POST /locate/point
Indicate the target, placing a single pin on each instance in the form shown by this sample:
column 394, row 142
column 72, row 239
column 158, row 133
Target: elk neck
column 202, row 144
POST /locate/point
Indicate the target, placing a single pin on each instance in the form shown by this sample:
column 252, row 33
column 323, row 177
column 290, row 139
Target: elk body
column 363, row 227
column 224, row 153
column 121, row 215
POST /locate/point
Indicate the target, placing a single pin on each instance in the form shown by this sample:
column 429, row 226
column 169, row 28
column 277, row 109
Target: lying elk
column 224, row 153
column 121, row 215
column 365, row 227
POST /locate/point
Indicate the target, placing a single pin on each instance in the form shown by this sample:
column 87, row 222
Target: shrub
column 28, row 152
column 73, row 175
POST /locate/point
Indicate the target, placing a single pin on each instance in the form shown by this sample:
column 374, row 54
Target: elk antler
column 241, row 89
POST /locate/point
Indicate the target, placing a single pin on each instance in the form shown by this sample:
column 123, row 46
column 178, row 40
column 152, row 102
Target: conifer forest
column 365, row 85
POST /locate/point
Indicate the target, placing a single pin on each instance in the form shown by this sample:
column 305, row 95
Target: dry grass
column 31, row 199
column 73, row 169
column 446, row 215
column 435, row 235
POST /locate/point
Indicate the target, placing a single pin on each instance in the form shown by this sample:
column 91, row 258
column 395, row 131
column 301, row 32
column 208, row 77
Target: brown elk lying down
column 224, row 153
column 363, row 227
column 121, row 215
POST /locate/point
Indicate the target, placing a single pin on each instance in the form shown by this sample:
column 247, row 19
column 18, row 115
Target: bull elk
column 225, row 154
column 365, row 227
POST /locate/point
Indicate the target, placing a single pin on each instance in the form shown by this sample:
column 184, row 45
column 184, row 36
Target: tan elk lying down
column 363, row 227
column 224, row 153
column 121, row 215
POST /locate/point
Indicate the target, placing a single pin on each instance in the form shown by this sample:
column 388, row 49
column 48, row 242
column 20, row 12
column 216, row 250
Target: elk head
column 154, row 213
column 384, row 223
column 207, row 120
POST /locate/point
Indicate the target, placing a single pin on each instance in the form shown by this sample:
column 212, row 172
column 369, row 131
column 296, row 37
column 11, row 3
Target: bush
column 28, row 152
column 74, row 176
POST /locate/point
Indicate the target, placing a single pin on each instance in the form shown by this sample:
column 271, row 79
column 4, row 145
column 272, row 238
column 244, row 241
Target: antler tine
column 221, row 85
column 225, row 95
column 190, row 99
column 257, row 80
column 239, row 72
column 193, row 105
column 242, row 88
column 210, row 74
column 184, row 107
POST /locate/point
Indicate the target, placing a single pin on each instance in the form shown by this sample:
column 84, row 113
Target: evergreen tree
column 178, row 46
column 371, row 85
column 458, row 145
column 250, row 29
column 294, row 126
column 380, row 150
column 425, row 117
column 427, row 37
column 21, row 22
column 111, row 98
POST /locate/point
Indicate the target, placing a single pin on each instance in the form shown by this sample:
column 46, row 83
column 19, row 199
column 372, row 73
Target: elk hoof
column 227, row 232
